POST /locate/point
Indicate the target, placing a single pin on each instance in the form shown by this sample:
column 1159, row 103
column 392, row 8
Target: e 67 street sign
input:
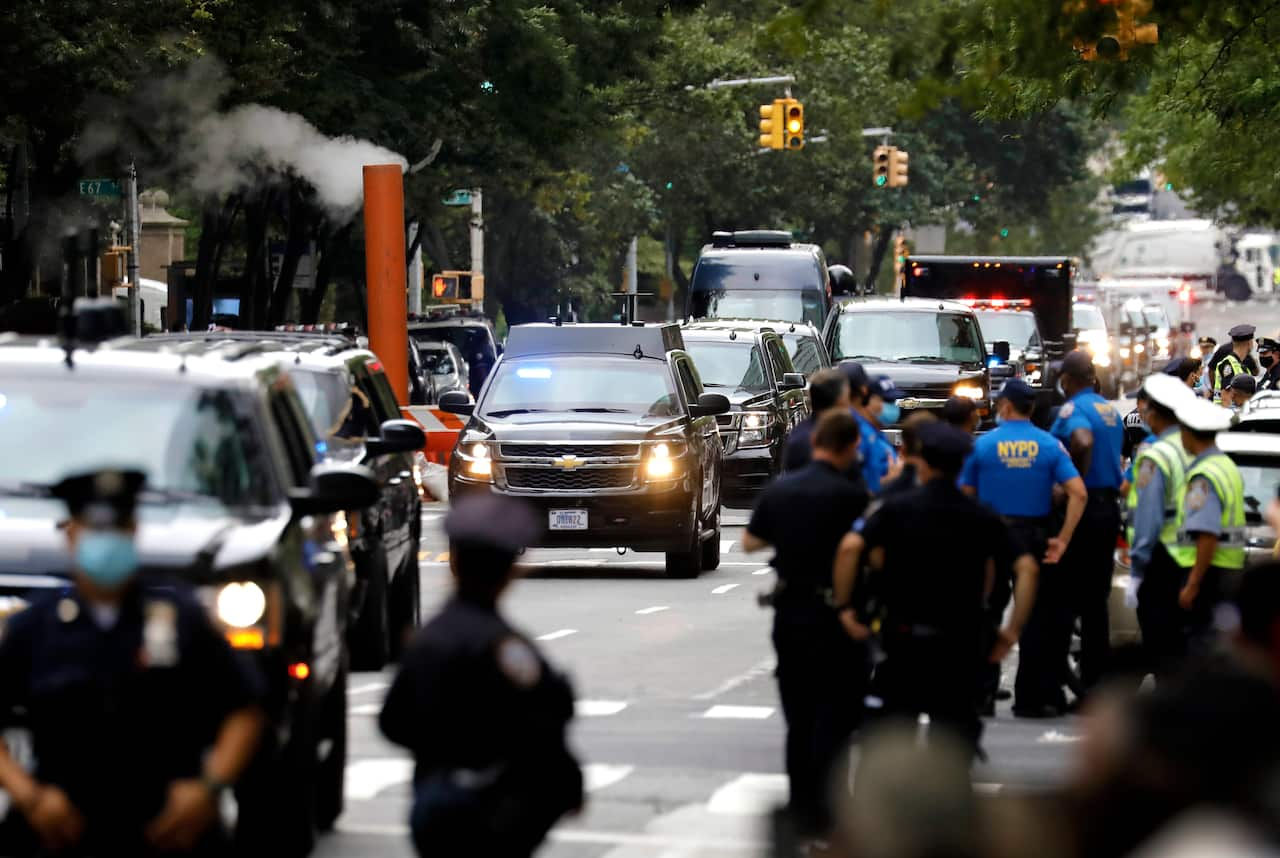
column 99, row 188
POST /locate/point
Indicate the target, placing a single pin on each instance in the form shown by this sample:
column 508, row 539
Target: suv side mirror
column 396, row 436
column 792, row 381
column 457, row 402
column 336, row 488
column 1000, row 348
column 709, row 405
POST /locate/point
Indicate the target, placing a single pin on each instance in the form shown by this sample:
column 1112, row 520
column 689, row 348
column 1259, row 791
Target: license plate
column 568, row 519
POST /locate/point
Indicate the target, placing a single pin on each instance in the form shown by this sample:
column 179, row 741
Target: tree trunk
column 300, row 223
column 434, row 244
column 257, row 263
column 883, row 239
column 309, row 306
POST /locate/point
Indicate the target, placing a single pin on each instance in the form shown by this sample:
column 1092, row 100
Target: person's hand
column 1187, row 596
column 1005, row 640
column 188, row 812
column 1056, row 547
column 54, row 818
column 855, row 629
column 895, row 468
column 1131, row 591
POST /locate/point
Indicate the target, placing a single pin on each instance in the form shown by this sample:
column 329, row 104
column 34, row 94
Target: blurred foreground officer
column 1090, row 428
column 875, row 406
column 962, row 413
column 935, row 551
column 909, row 479
column 1232, row 363
column 480, row 708
column 822, row 672
column 828, row 389
column 1209, row 533
column 1239, row 391
column 1269, row 359
column 1152, row 510
column 140, row 714
column 1013, row 470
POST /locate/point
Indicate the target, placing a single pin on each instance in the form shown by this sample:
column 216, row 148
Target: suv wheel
column 405, row 603
column 688, row 563
column 711, row 546
column 370, row 636
column 331, row 773
column 277, row 797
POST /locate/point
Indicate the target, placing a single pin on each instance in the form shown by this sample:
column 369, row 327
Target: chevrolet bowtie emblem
column 567, row 462
column 908, row 403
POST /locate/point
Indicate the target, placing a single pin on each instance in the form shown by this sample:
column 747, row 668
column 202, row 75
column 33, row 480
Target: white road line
column 365, row 709
column 765, row 571
column 726, row 545
column 368, row 689
column 1054, row 737
column 683, row 845
column 555, row 636
column 598, row 708
column 746, row 713
column 756, row 671
column 749, row 795
column 656, row 609
column 724, row 588
column 598, row 776
column 367, row 778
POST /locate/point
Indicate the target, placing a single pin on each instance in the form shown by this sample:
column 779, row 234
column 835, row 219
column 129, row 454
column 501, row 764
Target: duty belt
column 1226, row 537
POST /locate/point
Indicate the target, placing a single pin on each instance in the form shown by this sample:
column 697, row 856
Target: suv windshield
column 806, row 353
column 584, row 383
column 438, row 362
column 1087, row 317
column 1156, row 316
column 1017, row 329
column 926, row 337
column 737, row 365
column 325, row 396
column 189, row 441
column 798, row 305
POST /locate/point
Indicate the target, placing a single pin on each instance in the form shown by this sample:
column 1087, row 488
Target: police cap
column 885, row 388
column 1017, row 391
column 1208, row 343
column 1078, row 364
column 1244, row 383
column 1240, row 333
column 1200, row 415
column 857, row 376
column 1167, row 391
column 944, row 446
column 1266, row 344
column 103, row 498
column 487, row 520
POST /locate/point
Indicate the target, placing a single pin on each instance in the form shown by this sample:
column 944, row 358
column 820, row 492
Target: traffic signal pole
column 135, row 245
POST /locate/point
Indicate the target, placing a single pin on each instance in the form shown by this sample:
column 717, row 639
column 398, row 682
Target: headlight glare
column 1124, row 352
column 241, row 604
column 968, row 391
column 1139, row 348
column 1102, row 359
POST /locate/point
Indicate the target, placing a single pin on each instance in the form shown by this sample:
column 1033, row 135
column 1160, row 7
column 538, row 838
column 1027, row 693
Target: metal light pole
column 477, row 237
column 135, row 245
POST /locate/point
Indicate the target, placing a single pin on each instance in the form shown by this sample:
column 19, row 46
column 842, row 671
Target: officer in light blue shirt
column 875, row 406
column 1013, row 470
column 1092, row 431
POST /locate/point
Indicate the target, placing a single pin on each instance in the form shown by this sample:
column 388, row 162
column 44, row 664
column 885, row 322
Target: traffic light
column 1122, row 36
column 457, row 287
column 880, row 163
column 444, row 286
column 795, row 123
column 772, row 118
column 898, row 167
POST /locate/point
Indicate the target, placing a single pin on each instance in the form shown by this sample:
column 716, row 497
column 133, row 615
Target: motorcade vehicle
column 804, row 344
column 1016, row 326
column 1178, row 299
column 932, row 349
column 237, row 504
column 759, row 274
column 749, row 364
column 608, row 431
column 1094, row 336
column 444, row 368
column 1133, row 340
column 470, row 331
column 353, row 411
column 1162, row 335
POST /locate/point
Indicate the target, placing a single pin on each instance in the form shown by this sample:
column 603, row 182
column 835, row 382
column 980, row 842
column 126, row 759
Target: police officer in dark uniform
column 1014, row 470
column 480, row 708
column 934, row 552
column 821, row 672
column 1269, row 359
column 1090, row 428
column 828, row 388
column 139, row 712
column 1235, row 359
column 1239, row 391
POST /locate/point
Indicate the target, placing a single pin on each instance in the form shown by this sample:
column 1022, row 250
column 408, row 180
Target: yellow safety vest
column 1224, row 477
column 1169, row 456
column 1236, row 369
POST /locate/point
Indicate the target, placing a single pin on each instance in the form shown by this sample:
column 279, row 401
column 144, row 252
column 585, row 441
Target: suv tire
column 688, row 562
column 277, row 813
column 404, row 609
column 331, row 771
column 370, row 635
column 711, row 546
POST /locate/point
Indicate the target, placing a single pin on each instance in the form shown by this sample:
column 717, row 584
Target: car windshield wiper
column 26, row 490
column 713, row 384
column 926, row 359
column 507, row 412
column 600, row 410
column 861, row 357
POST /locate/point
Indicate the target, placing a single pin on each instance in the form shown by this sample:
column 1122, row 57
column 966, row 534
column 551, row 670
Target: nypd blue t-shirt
column 1088, row 410
column 1015, row 467
column 876, row 450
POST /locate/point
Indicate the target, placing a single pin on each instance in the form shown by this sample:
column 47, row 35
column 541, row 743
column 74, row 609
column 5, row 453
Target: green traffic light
column 881, row 181
column 670, row 185
column 1004, row 233
column 1168, row 186
column 977, row 198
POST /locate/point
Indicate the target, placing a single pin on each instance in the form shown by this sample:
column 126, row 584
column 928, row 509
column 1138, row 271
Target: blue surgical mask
column 890, row 413
column 999, row 419
column 106, row 557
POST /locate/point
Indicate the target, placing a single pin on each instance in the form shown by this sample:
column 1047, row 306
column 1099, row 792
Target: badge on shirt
column 160, row 634
column 1067, row 410
column 519, row 663
column 1198, row 494
column 1146, row 473
column 1107, row 413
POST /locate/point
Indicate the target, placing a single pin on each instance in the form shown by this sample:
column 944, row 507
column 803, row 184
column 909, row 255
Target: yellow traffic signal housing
column 880, row 166
column 794, row 124
column 899, row 163
column 772, row 122
column 1117, row 41
column 457, row 287
column 444, row 286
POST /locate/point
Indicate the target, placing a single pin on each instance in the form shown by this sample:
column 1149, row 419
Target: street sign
column 460, row 197
column 99, row 188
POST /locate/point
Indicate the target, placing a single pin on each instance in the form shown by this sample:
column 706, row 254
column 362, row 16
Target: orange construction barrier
column 442, row 430
column 384, row 262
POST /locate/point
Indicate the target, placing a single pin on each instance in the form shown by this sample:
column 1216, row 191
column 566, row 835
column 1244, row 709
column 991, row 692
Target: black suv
column 354, row 413
column 759, row 274
column 235, row 505
column 471, row 332
column 932, row 349
column 607, row 430
column 750, row 364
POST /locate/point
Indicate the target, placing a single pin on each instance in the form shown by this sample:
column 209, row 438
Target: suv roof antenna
column 630, row 301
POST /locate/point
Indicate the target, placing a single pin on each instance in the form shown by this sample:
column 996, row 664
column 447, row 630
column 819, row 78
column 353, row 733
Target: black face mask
column 1267, row 361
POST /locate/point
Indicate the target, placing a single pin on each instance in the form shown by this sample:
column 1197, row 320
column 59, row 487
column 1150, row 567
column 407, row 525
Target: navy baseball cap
column 886, row 389
column 1018, row 392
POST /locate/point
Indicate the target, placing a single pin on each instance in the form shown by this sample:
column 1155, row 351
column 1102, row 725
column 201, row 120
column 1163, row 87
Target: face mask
column 1267, row 361
column 890, row 414
column 106, row 557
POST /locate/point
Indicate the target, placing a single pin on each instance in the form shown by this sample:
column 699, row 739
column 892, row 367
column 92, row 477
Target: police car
column 608, row 431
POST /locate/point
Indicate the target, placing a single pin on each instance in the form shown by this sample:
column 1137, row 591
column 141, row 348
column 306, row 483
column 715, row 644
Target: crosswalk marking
column 598, row 708
column 369, row 778
column 365, row 709
column 556, row 635
column 765, row 571
column 723, row 588
column 749, row 713
column 726, row 545
column 598, row 776
column 656, row 609
column 749, row 794
column 368, row 688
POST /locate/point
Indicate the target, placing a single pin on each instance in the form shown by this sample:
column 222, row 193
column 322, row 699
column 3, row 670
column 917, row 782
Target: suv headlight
column 240, row 604
column 660, row 464
column 1102, row 359
column 473, row 453
column 1124, row 352
column 248, row 613
column 754, row 428
column 968, row 391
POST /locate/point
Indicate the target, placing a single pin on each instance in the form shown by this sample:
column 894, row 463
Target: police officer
column 1232, row 363
column 821, row 672
column 875, row 405
column 932, row 550
column 1239, row 391
column 480, row 708
column 1269, row 359
column 1013, row 470
column 828, row 388
column 1089, row 427
column 139, row 712
column 1159, row 468
column 1208, row 536
column 911, row 456
column 962, row 413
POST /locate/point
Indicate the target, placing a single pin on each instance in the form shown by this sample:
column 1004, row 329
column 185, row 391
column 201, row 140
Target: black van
column 760, row 274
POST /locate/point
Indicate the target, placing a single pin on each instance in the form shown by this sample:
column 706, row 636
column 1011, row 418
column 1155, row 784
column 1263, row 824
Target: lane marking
column 726, row 545
column 555, row 636
column 724, row 588
column 656, row 609
column 763, row 571
column 366, row 778
column 442, row 556
column 756, row 671
column 747, row 713
column 365, row 709
column 1054, row 737
column 682, row 845
column 598, row 776
column 749, row 795
column 368, row 689
column 598, row 708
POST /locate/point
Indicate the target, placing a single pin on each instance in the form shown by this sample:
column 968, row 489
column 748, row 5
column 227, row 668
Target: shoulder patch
column 519, row 663
column 1067, row 410
column 1146, row 473
column 1198, row 493
column 1134, row 420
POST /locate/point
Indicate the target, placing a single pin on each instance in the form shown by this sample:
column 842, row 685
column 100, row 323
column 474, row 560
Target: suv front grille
column 557, row 480
column 581, row 451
